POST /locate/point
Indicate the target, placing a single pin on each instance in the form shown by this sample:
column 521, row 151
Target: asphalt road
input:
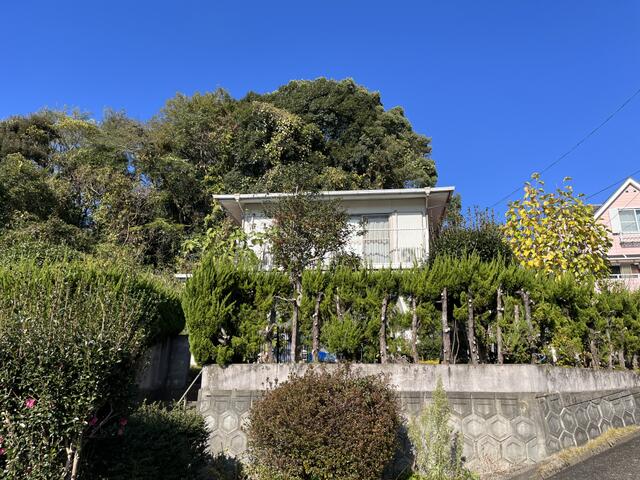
column 621, row 462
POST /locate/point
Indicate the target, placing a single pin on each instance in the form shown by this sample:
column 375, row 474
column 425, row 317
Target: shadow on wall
column 164, row 373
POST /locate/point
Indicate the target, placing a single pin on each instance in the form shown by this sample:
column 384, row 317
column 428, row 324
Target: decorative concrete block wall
column 514, row 414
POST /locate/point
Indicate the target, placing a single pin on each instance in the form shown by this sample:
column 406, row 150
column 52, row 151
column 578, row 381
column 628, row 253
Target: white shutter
column 614, row 219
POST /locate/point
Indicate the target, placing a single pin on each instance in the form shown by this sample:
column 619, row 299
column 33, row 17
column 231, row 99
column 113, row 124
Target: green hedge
column 71, row 338
column 161, row 313
column 234, row 313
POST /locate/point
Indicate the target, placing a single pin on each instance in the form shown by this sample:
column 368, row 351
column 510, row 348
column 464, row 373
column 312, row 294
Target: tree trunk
column 339, row 308
column 621, row 360
column 471, row 334
column 526, row 300
column 516, row 316
column 414, row 330
column 268, row 345
column 383, row 329
column 595, row 356
column 75, row 464
column 297, row 303
column 446, row 331
column 499, row 319
column 315, row 351
column 634, row 361
column 610, row 345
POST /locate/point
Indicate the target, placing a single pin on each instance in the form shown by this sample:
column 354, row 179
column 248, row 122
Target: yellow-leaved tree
column 556, row 232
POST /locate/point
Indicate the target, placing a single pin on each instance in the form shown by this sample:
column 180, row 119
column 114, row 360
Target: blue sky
column 503, row 87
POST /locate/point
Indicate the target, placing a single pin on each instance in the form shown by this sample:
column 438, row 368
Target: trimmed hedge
column 324, row 426
column 236, row 312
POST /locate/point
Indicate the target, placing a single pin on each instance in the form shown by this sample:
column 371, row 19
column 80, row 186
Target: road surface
column 621, row 462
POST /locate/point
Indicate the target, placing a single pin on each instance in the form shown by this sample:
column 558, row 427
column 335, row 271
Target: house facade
column 621, row 214
column 391, row 228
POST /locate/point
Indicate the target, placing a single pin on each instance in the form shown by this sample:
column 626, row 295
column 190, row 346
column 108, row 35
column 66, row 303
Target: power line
column 617, row 182
column 572, row 149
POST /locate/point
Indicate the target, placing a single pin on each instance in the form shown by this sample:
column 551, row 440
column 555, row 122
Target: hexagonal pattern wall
column 517, row 429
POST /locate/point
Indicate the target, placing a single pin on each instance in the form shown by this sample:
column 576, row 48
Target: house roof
column 437, row 198
column 628, row 182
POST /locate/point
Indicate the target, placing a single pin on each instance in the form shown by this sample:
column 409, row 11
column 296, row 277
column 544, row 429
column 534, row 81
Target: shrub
column 69, row 344
column 437, row 450
column 157, row 444
column 227, row 306
column 324, row 425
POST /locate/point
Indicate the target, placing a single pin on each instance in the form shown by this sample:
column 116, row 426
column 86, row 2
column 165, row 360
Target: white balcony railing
column 390, row 247
column 378, row 248
column 631, row 281
column 624, row 276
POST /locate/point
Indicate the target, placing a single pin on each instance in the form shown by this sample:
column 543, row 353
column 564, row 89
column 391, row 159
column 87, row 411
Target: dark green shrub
column 156, row 444
column 69, row 346
column 227, row 308
column 478, row 234
column 71, row 337
column 324, row 426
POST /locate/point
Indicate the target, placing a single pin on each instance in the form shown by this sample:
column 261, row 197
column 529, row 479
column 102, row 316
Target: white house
column 395, row 225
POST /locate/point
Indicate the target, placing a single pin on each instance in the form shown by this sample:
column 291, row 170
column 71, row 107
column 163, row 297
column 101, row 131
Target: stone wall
column 510, row 414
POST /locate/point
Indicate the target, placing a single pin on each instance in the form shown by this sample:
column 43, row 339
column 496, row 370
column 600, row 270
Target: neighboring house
column 392, row 228
column 621, row 214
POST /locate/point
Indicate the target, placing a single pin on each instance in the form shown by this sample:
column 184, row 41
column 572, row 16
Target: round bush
column 324, row 425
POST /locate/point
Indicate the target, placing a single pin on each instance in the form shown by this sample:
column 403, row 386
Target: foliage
column 324, row 425
column 144, row 188
column 306, row 230
column 227, row 308
column 478, row 233
column 437, row 449
column 570, row 322
column 157, row 444
column 371, row 147
column 69, row 344
column 556, row 232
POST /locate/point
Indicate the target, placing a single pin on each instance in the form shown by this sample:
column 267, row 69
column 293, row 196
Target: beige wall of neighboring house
column 621, row 214
column 391, row 228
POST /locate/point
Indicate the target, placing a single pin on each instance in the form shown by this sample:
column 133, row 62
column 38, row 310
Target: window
column 376, row 245
column 630, row 220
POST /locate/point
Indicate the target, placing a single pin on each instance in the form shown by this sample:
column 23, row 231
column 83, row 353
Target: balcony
column 378, row 248
column 630, row 239
column 631, row 281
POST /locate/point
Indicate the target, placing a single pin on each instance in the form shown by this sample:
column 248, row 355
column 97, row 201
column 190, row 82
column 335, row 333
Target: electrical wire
column 577, row 145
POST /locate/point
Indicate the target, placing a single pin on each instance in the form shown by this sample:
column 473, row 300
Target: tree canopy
column 142, row 189
column 556, row 232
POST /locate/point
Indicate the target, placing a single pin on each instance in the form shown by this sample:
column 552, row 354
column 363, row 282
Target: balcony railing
column 630, row 238
column 378, row 248
column 624, row 276
column 631, row 281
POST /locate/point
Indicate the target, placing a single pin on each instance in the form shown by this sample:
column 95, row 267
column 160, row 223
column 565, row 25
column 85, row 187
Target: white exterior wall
column 408, row 239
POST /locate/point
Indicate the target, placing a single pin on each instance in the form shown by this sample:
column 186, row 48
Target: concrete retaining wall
column 509, row 414
column 165, row 369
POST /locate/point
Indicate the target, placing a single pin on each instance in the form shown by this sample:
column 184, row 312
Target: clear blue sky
column 502, row 87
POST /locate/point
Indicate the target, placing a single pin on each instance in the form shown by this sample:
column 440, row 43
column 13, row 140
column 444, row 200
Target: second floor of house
column 621, row 215
column 390, row 228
